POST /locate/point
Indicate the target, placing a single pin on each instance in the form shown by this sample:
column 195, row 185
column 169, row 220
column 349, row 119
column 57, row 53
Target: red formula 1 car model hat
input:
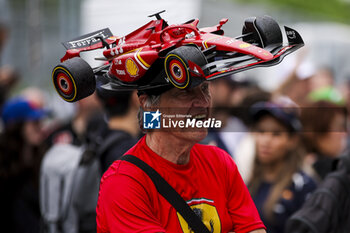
column 157, row 57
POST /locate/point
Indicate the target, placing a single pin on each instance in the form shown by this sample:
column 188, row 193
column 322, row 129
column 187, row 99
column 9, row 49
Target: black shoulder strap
column 169, row 194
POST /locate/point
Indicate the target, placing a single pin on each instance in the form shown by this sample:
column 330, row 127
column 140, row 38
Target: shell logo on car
column 244, row 45
column 131, row 67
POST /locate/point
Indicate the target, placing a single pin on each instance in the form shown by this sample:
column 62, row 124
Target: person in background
column 277, row 185
column 122, row 125
column 245, row 148
column 21, row 153
column 231, row 97
column 297, row 84
column 322, row 78
column 324, row 136
column 227, row 137
column 8, row 75
column 73, row 131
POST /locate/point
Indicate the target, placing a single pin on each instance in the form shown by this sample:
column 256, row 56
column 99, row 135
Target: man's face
column 195, row 102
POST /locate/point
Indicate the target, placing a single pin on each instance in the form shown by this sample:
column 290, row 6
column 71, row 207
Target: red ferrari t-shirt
column 210, row 184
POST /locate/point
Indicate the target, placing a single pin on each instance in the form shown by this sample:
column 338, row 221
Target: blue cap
column 286, row 115
column 19, row 110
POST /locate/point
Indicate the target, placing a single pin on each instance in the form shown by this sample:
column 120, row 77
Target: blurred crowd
column 283, row 141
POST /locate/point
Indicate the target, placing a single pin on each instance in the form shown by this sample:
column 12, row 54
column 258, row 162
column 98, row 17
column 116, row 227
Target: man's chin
column 194, row 135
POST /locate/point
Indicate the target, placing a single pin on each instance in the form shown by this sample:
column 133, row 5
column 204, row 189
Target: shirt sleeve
column 126, row 211
column 242, row 210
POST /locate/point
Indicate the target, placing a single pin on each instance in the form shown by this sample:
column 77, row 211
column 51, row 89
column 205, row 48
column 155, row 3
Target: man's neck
column 170, row 148
column 79, row 124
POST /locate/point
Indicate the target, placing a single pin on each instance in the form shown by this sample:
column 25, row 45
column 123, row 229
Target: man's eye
column 184, row 93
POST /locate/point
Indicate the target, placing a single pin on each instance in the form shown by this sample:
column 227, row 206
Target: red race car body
column 131, row 58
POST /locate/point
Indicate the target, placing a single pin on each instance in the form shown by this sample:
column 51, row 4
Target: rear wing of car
column 91, row 41
column 88, row 40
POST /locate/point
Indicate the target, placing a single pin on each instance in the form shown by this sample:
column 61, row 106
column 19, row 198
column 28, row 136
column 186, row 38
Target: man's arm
column 255, row 231
column 124, row 205
column 258, row 231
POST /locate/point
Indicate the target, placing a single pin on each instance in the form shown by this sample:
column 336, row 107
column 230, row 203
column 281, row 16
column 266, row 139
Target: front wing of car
column 224, row 67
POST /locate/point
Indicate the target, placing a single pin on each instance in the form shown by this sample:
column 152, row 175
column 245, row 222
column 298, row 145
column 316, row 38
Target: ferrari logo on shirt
column 206, row 211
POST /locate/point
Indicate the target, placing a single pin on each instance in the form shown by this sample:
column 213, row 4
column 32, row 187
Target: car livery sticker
column 244, row 45
column 131, row 67
column 140, row 61
column 204, row 43
column 88, row 39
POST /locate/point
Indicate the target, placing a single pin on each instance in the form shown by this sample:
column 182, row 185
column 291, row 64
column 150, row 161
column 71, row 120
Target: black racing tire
column 269, row 32
column 269, row 29
column 176, row 65
column 74, row 79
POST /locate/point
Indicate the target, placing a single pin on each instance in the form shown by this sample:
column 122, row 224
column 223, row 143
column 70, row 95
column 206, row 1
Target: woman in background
column 325, row 136
column 21, row 152
column 278, row 186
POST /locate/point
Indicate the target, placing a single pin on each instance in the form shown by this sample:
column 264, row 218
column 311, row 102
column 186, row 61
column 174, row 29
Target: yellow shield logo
column 131, row 67
column 244, row 45
column 207, row 213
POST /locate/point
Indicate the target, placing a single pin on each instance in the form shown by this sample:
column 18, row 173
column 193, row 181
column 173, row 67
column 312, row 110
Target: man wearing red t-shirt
column 205, row 177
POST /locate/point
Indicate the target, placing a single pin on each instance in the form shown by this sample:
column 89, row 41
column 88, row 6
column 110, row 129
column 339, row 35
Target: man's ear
column 142, row 100
column 135, row 100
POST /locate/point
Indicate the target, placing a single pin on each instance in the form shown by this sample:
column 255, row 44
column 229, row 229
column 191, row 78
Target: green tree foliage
column 334, row 10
